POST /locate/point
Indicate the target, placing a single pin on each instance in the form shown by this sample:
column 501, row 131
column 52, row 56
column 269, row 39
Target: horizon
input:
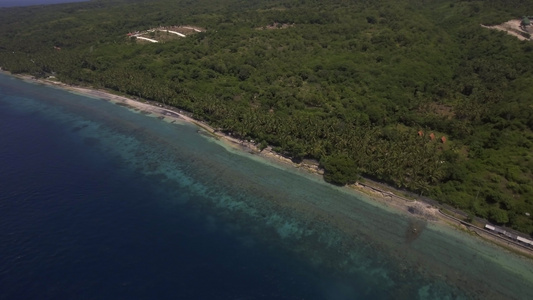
column 15, row 3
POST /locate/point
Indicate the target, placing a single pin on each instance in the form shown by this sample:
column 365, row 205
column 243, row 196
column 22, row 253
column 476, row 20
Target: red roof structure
column 443, row 139
column 420, row 133
column 432, row 136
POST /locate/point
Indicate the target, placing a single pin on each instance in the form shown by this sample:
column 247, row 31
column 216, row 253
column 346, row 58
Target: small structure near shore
column 509, row 235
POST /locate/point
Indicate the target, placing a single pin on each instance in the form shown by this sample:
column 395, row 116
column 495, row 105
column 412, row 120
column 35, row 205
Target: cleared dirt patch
column 164, row 33
column 513, row 28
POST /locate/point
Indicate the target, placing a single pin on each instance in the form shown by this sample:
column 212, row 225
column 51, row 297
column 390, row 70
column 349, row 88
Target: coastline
column 388, row 197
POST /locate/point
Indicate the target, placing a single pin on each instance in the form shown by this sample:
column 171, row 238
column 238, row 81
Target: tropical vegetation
column 368, row 88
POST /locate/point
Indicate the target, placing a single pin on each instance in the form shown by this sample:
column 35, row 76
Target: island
column 415, row 99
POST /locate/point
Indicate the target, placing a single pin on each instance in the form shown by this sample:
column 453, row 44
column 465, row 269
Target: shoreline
column 388, row 197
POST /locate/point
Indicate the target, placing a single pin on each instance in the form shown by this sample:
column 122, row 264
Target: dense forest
column 415, row 94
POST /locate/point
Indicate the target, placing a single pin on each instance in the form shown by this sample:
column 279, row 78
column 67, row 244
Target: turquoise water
column 312, row 240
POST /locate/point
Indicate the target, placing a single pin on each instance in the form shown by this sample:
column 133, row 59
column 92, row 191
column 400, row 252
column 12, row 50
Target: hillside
column 367, row 88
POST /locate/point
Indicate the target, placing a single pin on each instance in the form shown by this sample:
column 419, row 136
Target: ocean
column 102, row 201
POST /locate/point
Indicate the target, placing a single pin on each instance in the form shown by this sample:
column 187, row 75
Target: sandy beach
column 388, row 197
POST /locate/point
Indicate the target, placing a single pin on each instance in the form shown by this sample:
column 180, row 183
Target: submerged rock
column 415, row 228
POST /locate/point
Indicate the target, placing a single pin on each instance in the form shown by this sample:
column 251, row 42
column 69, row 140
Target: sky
column 9, row 3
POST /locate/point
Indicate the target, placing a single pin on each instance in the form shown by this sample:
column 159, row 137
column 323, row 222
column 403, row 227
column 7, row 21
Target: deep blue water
column 11, row 3
column 98, row 201
column 75, row 224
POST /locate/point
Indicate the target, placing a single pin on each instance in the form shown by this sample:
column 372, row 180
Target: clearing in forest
column 163, row 34
column 518, row 28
